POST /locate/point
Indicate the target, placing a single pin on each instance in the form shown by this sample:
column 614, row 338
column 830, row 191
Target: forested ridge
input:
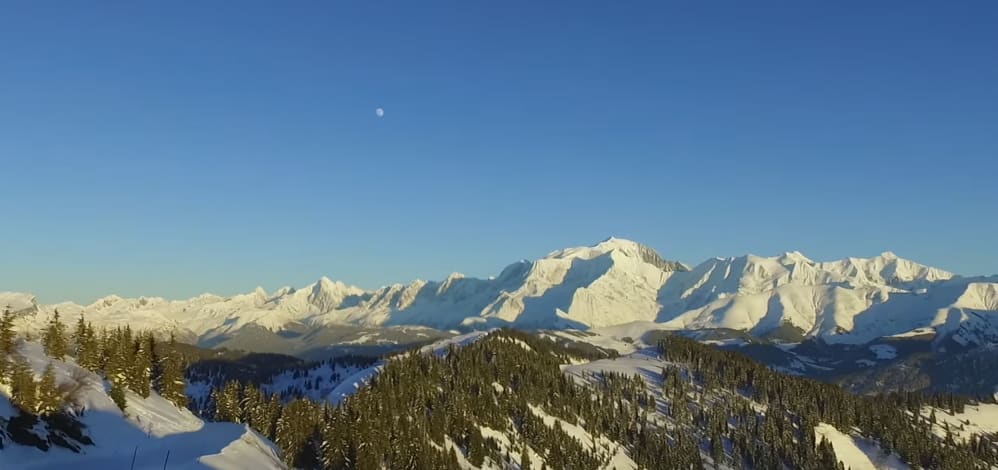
column 504, row 401
column 714, row 407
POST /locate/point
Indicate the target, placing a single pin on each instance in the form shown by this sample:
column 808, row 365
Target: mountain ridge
column 613, row 282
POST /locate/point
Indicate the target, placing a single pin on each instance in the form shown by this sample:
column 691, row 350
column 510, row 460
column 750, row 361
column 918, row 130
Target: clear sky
column 172, row 148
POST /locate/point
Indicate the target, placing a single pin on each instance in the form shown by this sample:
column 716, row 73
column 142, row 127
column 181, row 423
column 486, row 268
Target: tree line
column 126, row 360
column 715, row 408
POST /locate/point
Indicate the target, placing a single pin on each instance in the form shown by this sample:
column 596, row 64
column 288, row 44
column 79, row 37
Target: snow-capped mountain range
column 614, row 282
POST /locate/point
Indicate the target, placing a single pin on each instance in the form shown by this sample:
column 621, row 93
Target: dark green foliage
column 418, row 403
column 140, row 367
column 426, row 411
column 54, row 338
column 295, row 430
column 50, row 399
column 7, row 336
column 23, row 389
column 87, row 346
column 895, row 420
column 228, row 402
column 217, row 367
column 117, row 394
column 170, row 380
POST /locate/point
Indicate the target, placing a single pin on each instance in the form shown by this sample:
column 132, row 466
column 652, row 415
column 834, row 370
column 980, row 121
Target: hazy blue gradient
column 170, row 148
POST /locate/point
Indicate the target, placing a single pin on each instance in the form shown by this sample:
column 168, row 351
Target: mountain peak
column 611, row 243
column 638, row 250
column 260, row 292
column 107, row 301
column 795, row 257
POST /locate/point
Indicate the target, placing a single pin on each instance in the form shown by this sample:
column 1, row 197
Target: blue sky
column 172, row 148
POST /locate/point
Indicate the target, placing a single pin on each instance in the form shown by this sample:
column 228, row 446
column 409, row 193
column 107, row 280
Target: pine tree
column 140, row 372
column 6, row 344
column 171, row 384
column 295, row 428
column 50, row 399
column 79, row 336
column 227, row 401
column 525, row 458
column 88, row 353
column 118, row 351
column 54, row 338
column 23, row 394
column 7, row 332
column 476, row 448
column 117, row 394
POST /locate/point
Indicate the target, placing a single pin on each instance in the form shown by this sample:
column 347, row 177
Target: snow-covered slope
column 149, row 429
column 349, row 385
column 857, row 453
column 611, row 283
column 976, row 419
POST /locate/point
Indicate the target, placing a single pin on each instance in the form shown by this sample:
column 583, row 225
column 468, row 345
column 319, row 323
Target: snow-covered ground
column 350, row 384
column 354, row 382
column 149, row 429
column 440, row 347
column 645, row 363
column 601, row 339
column 315, row 383
column 857, row 453
column 620, row 459
column 975, row 419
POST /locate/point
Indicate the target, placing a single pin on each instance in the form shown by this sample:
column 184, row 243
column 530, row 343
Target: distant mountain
column 614, row 282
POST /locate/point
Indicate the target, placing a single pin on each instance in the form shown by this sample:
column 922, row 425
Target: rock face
column 610, row 283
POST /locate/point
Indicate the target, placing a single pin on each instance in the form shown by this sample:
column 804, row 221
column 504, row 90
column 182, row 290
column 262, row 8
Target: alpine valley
column 598, row 357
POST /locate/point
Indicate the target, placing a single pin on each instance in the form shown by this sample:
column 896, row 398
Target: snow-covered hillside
column 332, row 380
column 853, row 450
column 611, row 283
column 147, row 431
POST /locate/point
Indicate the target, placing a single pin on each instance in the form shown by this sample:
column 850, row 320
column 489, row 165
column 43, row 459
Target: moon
column 380, row 112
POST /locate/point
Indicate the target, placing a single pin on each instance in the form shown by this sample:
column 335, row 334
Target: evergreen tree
column 171, row 384
column 295, row 428
column 6, row 344
column 23, row 392
column 117, row 357
column 54, row 337
column 7, row 334
column 227, row 402
column 117, row 394
column 512, row 383
column 79, row 336
column 50, row 399
column 88, row 352
column 141, row 366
